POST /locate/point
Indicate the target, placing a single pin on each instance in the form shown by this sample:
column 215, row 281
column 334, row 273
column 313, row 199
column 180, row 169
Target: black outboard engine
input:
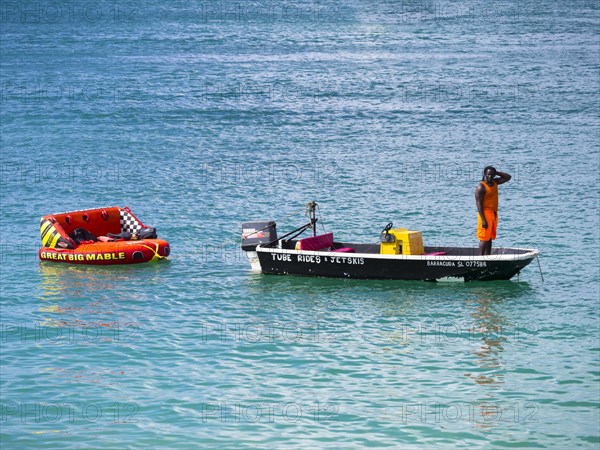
column 259, row 232
column 255, row 233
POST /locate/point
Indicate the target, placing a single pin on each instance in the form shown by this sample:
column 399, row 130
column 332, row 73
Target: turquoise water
column 202, row 115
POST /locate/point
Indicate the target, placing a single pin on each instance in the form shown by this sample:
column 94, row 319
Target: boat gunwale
column 530, row 253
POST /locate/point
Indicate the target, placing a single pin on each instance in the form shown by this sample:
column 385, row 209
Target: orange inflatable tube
column 58, row 246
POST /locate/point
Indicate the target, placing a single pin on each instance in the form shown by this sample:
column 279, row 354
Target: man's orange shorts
column 485, row 234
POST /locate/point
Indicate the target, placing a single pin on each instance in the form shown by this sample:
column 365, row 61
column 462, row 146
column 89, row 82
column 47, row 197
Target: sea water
column 202, row 115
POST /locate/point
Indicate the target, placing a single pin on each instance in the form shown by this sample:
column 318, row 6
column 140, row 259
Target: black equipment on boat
column 258, row 232
column 265, row 232
column 385, row 235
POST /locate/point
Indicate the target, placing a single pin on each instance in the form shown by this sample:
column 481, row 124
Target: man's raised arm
column 504, row 177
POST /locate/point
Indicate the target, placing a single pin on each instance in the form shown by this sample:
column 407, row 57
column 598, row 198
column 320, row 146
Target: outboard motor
column 255, row 233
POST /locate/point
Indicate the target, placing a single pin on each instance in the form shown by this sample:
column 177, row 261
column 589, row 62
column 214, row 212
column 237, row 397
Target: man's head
column 489, row 173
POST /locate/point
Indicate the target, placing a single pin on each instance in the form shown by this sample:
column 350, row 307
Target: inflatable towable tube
column 58, row 246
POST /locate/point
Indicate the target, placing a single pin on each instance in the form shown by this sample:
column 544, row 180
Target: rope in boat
column 539, row 266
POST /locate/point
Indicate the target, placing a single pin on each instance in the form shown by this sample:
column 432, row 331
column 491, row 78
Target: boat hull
column 503, row 265
column 109, row 253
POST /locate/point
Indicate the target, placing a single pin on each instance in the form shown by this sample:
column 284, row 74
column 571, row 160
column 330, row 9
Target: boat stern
column 255, row 233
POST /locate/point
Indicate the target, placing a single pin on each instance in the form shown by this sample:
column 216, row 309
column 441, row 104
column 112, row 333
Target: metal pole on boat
column 312, row 207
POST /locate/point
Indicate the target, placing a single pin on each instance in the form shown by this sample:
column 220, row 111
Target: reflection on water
column 62, row 281
column 492, row 330
column 492, row 327
column 282, row 285
column 429, row 333
column 400, row 313
column 95, row 302
column 98, row 376
column 362, row 306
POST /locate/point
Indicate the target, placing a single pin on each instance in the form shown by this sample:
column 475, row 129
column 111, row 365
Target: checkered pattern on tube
column 129, row 223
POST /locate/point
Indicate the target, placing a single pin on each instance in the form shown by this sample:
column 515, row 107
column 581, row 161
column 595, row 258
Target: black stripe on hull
column 358, row 267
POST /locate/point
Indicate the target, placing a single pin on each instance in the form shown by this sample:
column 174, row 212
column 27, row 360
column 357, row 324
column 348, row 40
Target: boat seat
column 321, row 242
column 344, row 250
column 315, row 243
column 435, row 253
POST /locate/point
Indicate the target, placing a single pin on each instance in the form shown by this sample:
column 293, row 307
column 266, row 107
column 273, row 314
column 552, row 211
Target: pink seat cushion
column 317, row 242
column 344, row 250
column 436, row 253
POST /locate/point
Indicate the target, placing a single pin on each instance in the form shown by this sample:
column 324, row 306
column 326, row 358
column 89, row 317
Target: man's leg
column 483, row 247
column 494, row 225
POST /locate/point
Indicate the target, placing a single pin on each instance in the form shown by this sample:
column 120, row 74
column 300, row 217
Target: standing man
column 486, row 197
